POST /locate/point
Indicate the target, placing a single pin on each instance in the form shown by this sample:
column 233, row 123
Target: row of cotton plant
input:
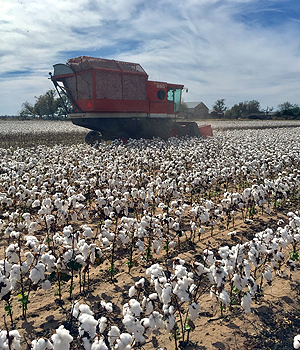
column 171, row 302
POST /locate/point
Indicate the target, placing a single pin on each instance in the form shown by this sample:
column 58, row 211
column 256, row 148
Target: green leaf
column 65, row 277
column 73, row 265
column 294, row 255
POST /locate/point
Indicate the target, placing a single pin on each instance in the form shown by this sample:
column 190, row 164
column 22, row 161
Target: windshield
column 175, row 96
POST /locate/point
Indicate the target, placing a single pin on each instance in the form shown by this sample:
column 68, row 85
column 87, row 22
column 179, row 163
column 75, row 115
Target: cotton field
column 153, row 244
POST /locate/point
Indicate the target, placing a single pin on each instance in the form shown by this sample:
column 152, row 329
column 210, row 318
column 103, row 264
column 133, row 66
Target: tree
column 288, row 110
column 46, row 105
column 219, row 106
column 244, row 109
column 27, row 110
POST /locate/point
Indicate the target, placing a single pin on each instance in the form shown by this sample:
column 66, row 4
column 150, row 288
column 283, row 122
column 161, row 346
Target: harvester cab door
column 174, row 95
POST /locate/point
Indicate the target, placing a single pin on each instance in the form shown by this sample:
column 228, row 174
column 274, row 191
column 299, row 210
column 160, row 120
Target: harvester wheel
column 92, row 137
column 173, row 132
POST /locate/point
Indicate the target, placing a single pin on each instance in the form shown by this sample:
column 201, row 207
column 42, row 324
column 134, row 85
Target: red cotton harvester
column 116, row 100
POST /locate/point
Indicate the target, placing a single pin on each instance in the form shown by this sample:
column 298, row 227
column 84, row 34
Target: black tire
column 92, row 137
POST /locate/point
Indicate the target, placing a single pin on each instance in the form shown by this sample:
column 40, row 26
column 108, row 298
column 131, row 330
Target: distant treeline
column 49, row 106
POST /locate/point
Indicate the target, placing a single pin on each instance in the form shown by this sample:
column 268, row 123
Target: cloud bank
column 233, row 49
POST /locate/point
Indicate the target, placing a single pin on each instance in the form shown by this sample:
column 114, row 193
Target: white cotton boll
column 166, row 294
column 37, row 273
column 124, row 342
column 156, row 320
column 14, row 340
column 180, row 271
column 62, row 339
column 102, row 324
column 113, row 335
column 297, row 237
column 149, row 306
column 46, row 284
column 239, row 282
column 41, row 344
column 132, row 291
column 170, row 323
column 75, row 309
column 86, row 343
column 208, row 256
column 15, row 275
column 193, row 288
column 224, row 297
column 246, row 303
column 135, row 307
column 107, row 306
column 87, row 231
column 200, row 268
column 224, row 252
column 153, row 296
column 145, row 322
column 99, row 344
column 87, row 324
column 138, row 334
column 85, row 309
column 105, row 242
column 268, row 273
column 297, row 341
column 140, row 283
column 172, row 244
column 194, row 310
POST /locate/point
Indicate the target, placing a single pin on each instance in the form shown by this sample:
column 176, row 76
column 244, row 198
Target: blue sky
column 234, row 49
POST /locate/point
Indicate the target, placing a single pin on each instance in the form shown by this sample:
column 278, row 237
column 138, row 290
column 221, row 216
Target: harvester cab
column 115, row 100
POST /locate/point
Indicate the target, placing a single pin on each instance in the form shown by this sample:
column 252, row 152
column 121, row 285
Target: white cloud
column 204, row 44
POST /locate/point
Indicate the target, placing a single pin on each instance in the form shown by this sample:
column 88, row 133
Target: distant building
column 197, row 110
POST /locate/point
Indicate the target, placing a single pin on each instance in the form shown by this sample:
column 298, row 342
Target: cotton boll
column 85, row 309
column 140, row 283
column 124, row 342
column 170, row 323
column 224, row 297
column 246, row 303
column 200, row 268
column 99, row 344
column 297, row 341
column 14, row 340
column 75, row 309
column 145, row 322
column 132, row 291
column 41, row 344
column 37, row 273
column 87, row 231
column 166, row 294
column 135, row 307
column 107, row 306
column 102, row 324
column 194, row 310
column 62, row 339
column 268, row 273
column 46, row 284
column 113, row 335
column 86, row 343
column 14, row 276
column 87, row 324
